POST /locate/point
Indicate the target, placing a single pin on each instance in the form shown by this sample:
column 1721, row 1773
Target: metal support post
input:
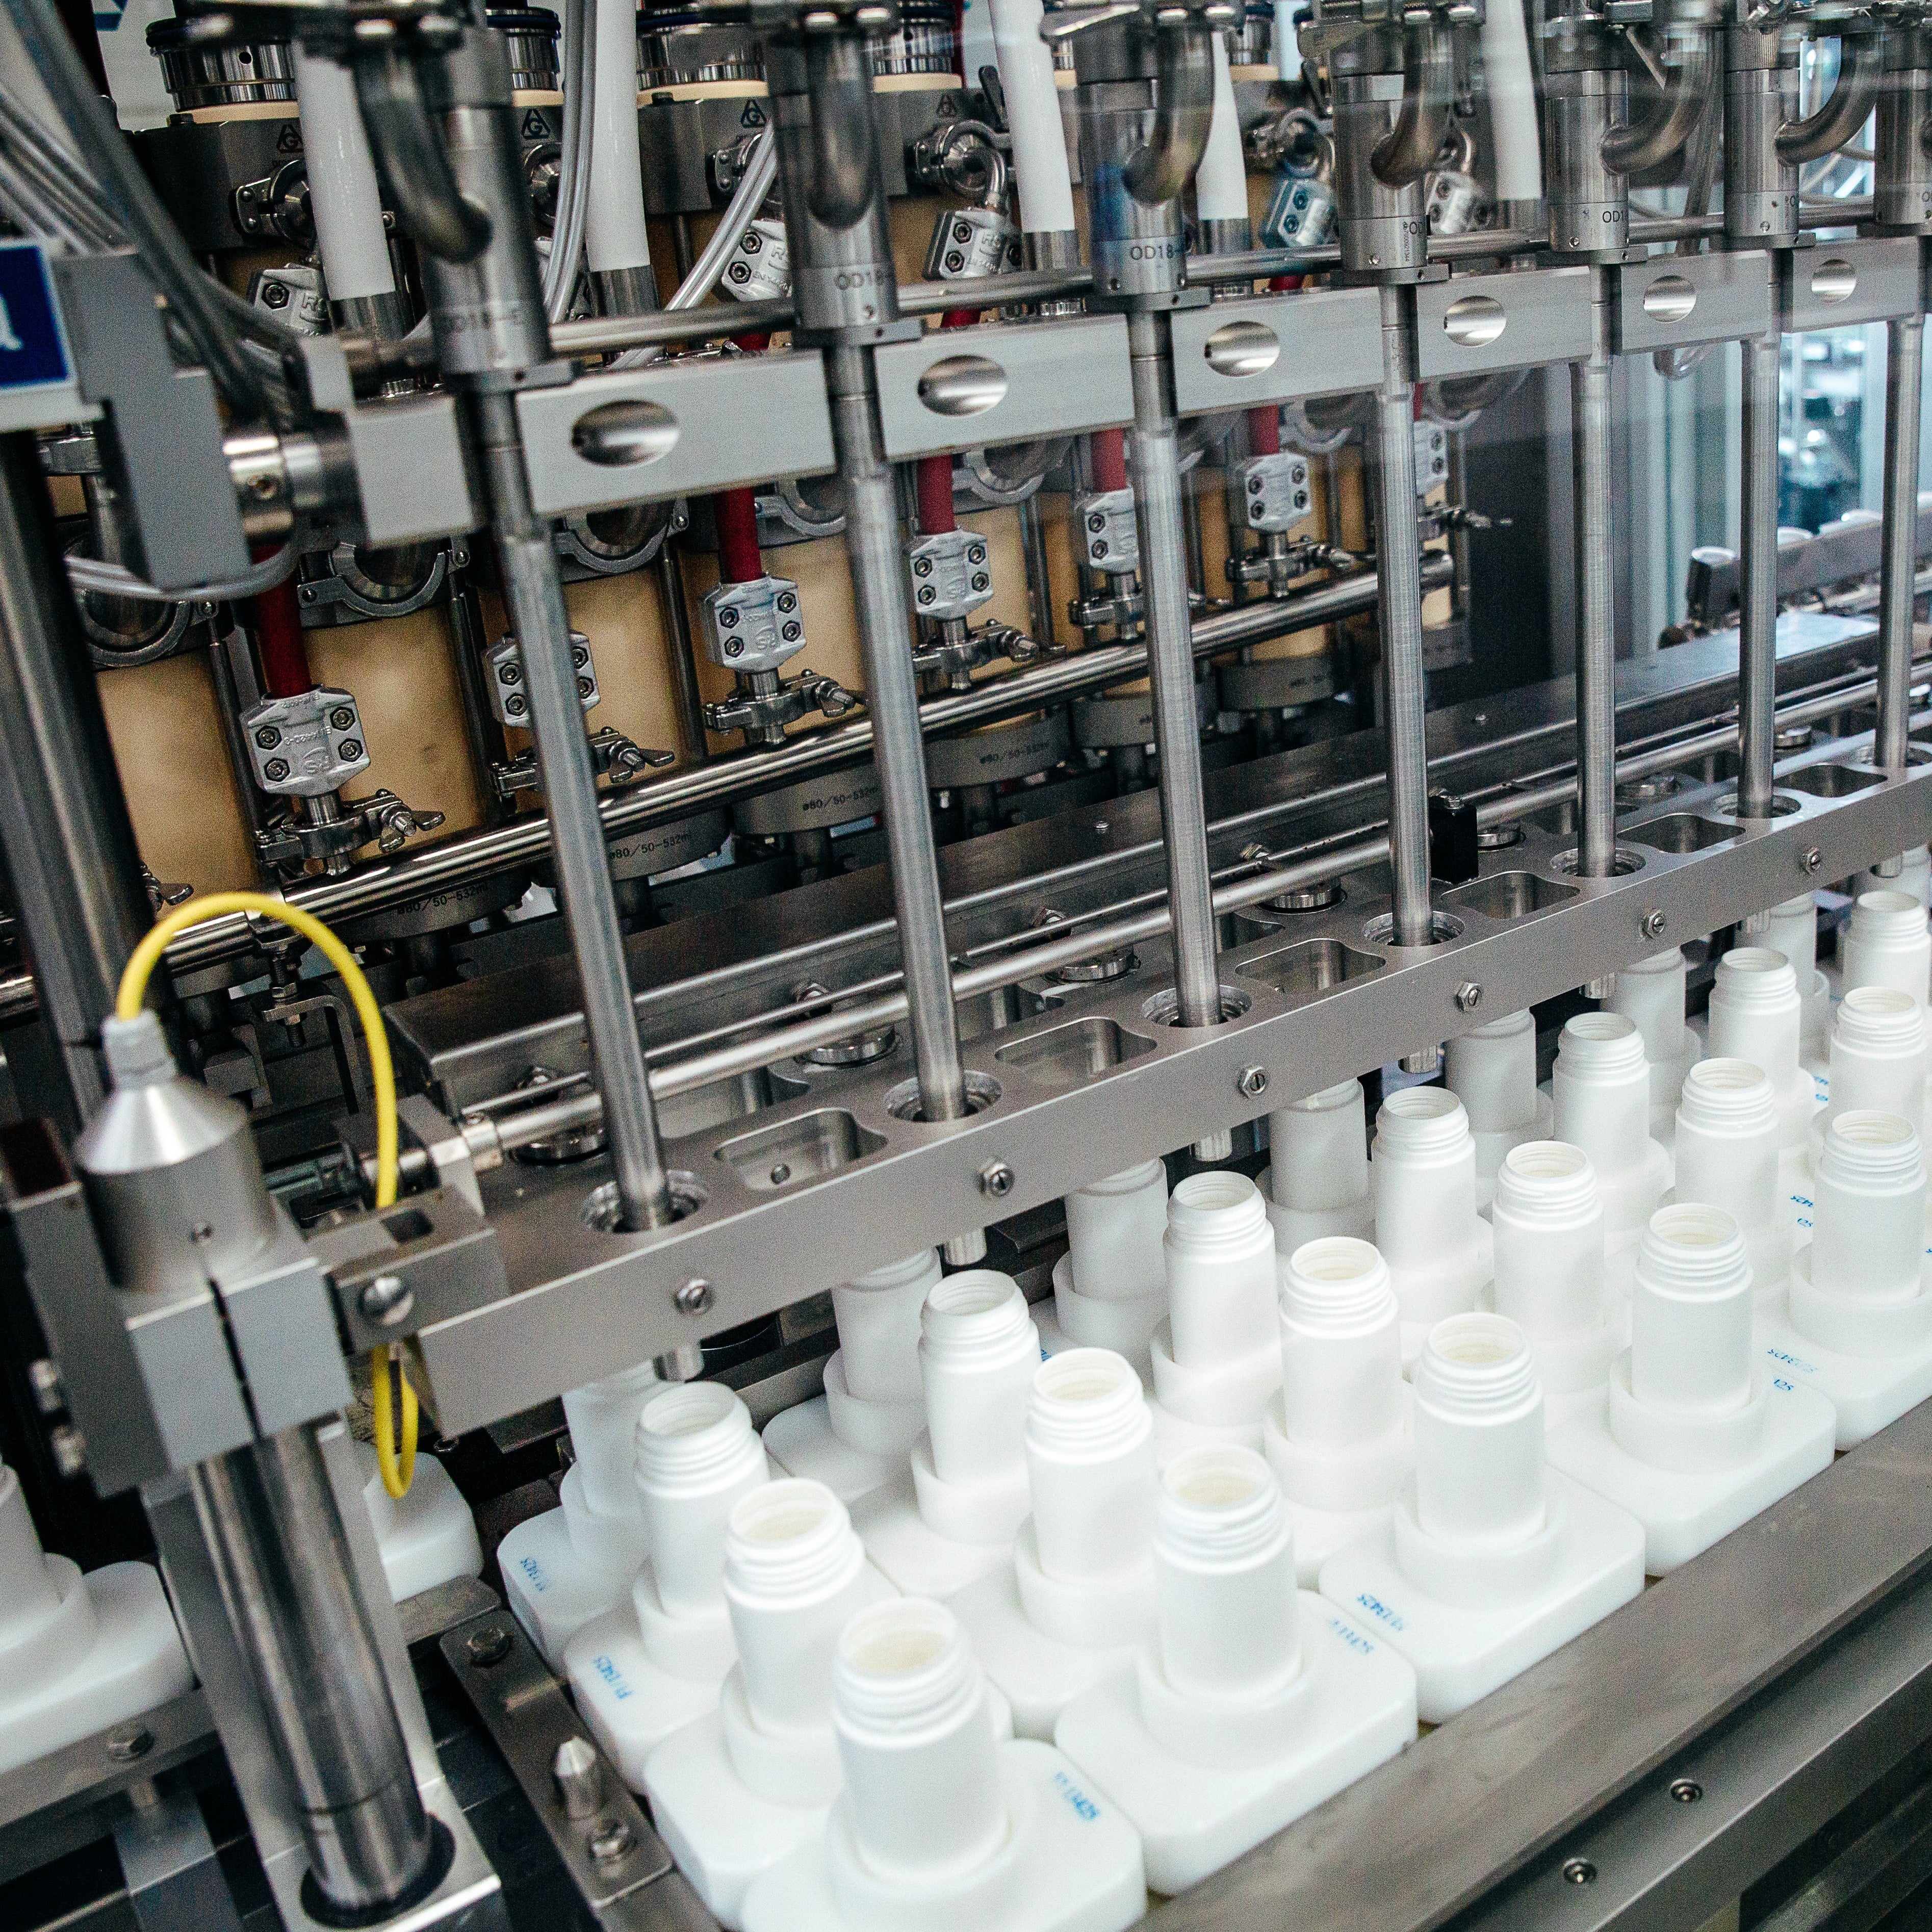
column 1596, row 598
column 69, row 846
column 1757, row 630
column 1905, row 340
column 1399, row 610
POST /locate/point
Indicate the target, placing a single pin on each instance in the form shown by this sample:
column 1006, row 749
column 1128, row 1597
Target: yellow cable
column 397, row 1466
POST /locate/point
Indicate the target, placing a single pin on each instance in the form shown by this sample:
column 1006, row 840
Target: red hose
column 935, row 495
column 1109, row 449
column 278, row 642
column 735, row 512
column 1264, row 431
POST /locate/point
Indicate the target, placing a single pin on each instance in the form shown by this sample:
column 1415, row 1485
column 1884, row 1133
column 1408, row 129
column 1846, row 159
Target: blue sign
column 32, row 351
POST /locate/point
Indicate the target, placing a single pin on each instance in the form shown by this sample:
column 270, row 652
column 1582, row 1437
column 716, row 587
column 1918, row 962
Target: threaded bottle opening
column 1868, row 1149
column 904, row 1670
column 1086, row 1403
column 1694, row 1252
column 1550, row 1180
column 977, row 1315
column 1728, row 1097
column 1601, row 1043
column 1756, row 979
column 1218, row 1507
column 691, row 1434
column 1477, row 1368
column 900, row 1273
column 788, row 1542
column 1130, row 1180
column 1880, row 1019
column 1215, row 1207
column 1422, row 1119
column 1883, row 916
column 1337, row 1287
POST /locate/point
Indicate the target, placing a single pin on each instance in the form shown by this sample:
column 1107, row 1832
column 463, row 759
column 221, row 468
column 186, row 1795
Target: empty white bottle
column 1110, row 1287
column 1885, row 942
column 1493, row 1072
column 1914, row 876
column 1791, row 928
column 1601, row 1087
column 1650, row 992
column 1548, row 1219
column 1338, row 1437
column 1755, row 1015
column 1728, row 1137
column 1437, row 1246
column 1877, row 1058
column 1317, row 1182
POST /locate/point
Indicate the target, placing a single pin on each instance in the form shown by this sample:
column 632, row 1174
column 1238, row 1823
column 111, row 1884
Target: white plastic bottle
column 655, row 1663
column 1877, row 1058
column 1650, row 992
column 736, row 1791
column 573, row 1563
column 77, row 1654
column 1082, row 1585
column 856, row 1437
column 938, row 1826
column 1886, row 943
column 1729, row 1136
column 1110, row 1287
column 1549, row 1220
column 1317, row 1180
column 1252, row 1703
column 1755, row 1015
column 1601, row 1086
column 1493, row 1072
column 1217, row 1360
column 1491, row 1560
column 1860, row 1321
column 1438, row 1248
column 1338, row 1437
column 1791, row 928
column 1702, row 1432
column 1914, row 877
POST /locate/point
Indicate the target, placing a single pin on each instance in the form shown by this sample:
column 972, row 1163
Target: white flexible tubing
column 1512, row 92
column 1032, row 112
column 343, row 194
column 1221, row 183
column 615, row 235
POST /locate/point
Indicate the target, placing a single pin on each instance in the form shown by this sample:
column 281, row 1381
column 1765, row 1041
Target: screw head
column 49, row 1397
column 1096, row 523
column 694, row 1297
column 350, row 748
column 1253, row 1082
column 275, row 770
column 509, row 672
column 926, row 593
column 791, row 632
column 1813, row 858
column 387, row 1299
column 275, row 295
column 70, row 1450
column 1468, row 996
column 1651, row 925
column 996, row 1179
column 787, row 602
column 611, row 1842
column 127, row 1742
column 487, row 1646
column 516, row 704
column 1686, row 1790
column 584, row 687
column 267, row 737
column 342, row 718
column 1578, row 1871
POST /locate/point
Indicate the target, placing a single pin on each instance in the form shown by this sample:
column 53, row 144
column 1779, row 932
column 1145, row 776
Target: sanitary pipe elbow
column 1844, row 111
column 844, row 142
column 1184, row 79
column 1652, row 140
column 1408, row 151
column 414, row 170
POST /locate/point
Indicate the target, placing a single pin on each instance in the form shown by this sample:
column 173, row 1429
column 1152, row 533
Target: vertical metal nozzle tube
column 275, row 1539
column 891, row 696
column 1596, row 598
column 1170, row 635
column 1757, row 629
column 1905, row 341
column 534, row 592
column 1398, row 611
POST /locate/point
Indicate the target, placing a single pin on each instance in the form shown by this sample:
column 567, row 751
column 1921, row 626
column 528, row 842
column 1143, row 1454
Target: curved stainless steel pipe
column 843, row 158
column 410, row 162
column 1184, row 95
column 1645, row 143
column 1844, row 110
column 1408, row 151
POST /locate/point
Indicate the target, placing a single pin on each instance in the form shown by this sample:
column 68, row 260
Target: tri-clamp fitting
column 751, row 629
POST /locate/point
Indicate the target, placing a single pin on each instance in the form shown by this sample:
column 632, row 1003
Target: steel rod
column 1596, row 593
column 1757, row 642
column 1905, row 339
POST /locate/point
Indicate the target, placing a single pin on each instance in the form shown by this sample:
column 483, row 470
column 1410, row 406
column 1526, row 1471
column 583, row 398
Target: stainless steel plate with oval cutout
column 630, row 430
column 963, row 385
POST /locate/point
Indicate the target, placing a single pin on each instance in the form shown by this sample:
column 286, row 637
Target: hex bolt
column 388, row 1299
column 926, row 593
column 267, row 737
column 996, row 1179
column 342, row 718
column 1468, row 996
column 1578, row 1871
column 787, row 602
column 578, row 1774
column 1812, row 859
column 976, row 553
column 1686, row 1790
column 790, row 632
column 611, row 1842
column 275, row 770
column 126, row 1743
column 516, row 704
column 1651, row 925
column 584, row 687
column 488, row 1646
column 70, row 1450
column 694, row 1297
column 734, row 647
column 49, row 1397
column 509, row 672
column 727, row 619
column 350, row 748
column 579, row 656
column 1252, row 1082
